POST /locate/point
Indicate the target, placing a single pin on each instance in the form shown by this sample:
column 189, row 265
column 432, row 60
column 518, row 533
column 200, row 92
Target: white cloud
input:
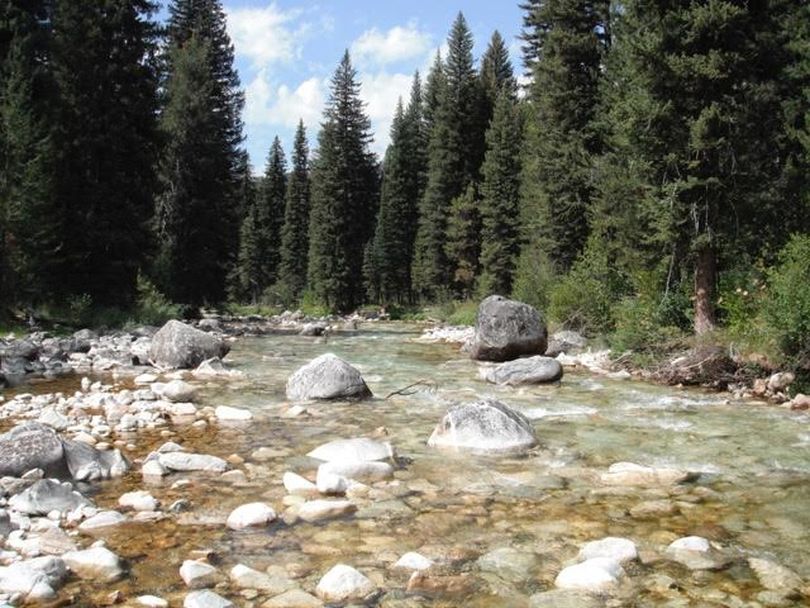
column 281, row 105
column 397, row 44
column 264, row 35
column 380, row 91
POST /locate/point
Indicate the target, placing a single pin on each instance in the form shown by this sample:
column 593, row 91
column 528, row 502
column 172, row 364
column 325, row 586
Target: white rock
column 151, row 601
column 96, row 563
column 317, row 510
column 248, row 578
column 691, row 543
column 330, row 483
column 102, row 520
column 359, row 449
column 295, row 484
column 175, row 391
column 153, row 468
column 294, row 598
column 205, row 599
column 34, row 579
column 139, row 500
column 596, row 574
column 413, row 561
column 251, row 514
column 185, row 461
column 631, row 474
column 182, row 409
column 198, row 575
column 224, row 412
column 620, row 550
column 359, row 471
column 145, row 379
column 344, row 583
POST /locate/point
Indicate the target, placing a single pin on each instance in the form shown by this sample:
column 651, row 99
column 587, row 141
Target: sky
column 287, row 50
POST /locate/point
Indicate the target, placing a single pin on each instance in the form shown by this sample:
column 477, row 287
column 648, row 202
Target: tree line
column 656, row 152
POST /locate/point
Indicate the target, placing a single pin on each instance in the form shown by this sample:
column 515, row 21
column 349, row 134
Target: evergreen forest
column 643, row 175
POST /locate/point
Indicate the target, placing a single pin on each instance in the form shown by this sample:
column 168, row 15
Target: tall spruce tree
column 271, row 212
column 496, row 75
column 463, row 241
column 295, row 231
column 344, row 195
column 565, row 49
column 455, row 151
column 30, row 221
column 197, row 210
column 247, row 280
column 106, row 142
column 500, row 198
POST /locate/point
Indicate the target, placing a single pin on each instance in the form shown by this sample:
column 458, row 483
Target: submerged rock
column 565, row 598
column 199, row 575
column 343, row 583
column 31, row 446
column 358, row 449
column 318, row 510
column 48, row 495
column 597, row 574
column 632, row 474
column 486, row 426
column 413, row 561
column 620, row 550
column 186, row 461
column 294, row 598
column 206, row 599
column 86, row 463
column 249, row 515
column 177, row 345
column 327, row 377
column 696, row 553
column 531, row 370
column 506, row 329
column 775, row 577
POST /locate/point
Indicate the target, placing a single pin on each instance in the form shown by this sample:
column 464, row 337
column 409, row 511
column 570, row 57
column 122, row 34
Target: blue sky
column 286, row 51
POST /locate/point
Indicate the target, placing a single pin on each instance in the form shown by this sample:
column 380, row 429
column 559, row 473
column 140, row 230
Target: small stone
column 251, row 514
column 330, row 483
column 103, row 519
column 597, row 574
column 205, row 599
column 186, row 461
column 139, row 500
column 97, row 564
column 775, row 577
column 248, row 578
column 343, row 583
column 153, row 468
column 358, row 449
column 295, row 484
column 224, row 412
column 413, row 561
column 317, row 510
column 620, row 550
column 690, row 543
column 151, row 601
column 199, row 575
column 294, row 598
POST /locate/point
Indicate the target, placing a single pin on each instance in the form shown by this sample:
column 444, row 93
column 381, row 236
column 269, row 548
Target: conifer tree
column 500, row 198
column 106, row 142
column 197, row 210
column 295, row 231
column 271, row 213
column 463, row 241
column 496, row 75
column 344, row 196
column 247, row 282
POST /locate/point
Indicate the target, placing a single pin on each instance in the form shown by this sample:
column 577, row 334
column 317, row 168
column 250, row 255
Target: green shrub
column 80, row 309
column 787, row 302
column 741, row 298
column 534, row 279
column 464, row 313
column 151, row 306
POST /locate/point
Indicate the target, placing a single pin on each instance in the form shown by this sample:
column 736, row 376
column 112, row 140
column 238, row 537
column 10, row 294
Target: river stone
column 104, row 519
column 31, row 446
column 529, row 370
column 251, row 514
column 327, row 377
column 358, row 449
column 506, row 329
column 343, row 583
column 775, row 577
column 248, row 578
column 564, row 598
column 86, row 463
column 54, row 419
column 176, row 391
column 631, row 474
column 151, row 601
column 696, row 553
column 318, row 510
column 358, row 471
column 224, row 412
column 139, row 500
column 295, row 484
column 508, row 563
column 330, row 483
column 486, row 426
column 621, row 550
column 199, row 575
column 565, row 341
column 186, row 461
column 34, row 579
column 97, row 564
column 47, row 495
column 413, row 561
column 206, row 599
column 294, row 598
column 177, row 345
column 597, row 574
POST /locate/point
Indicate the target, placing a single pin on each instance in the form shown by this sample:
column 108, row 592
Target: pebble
column 295, row 484
column 199, row 575
column 343, row 583
column 621, row 550
column 97, row 564
column 102, row 520
column 248, row 578
column 317, row 510
column 151, row 601
column 206, row 599
column 597, row 574
column 139, row 500
column 294, row 598
column 413, row 561
column 224, row 412
column 251, row 514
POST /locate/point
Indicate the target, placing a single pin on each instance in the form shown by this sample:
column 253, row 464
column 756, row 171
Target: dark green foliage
column 271, row 205
column 463, row 241
column 197, row 210
column 787, row 307
column 105, row 140
column 247, row 280
column 500, row 194
column 496, row 76
column 295, row 232
column 344, row 196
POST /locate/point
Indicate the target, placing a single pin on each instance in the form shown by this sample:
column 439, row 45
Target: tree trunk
column 705, row 277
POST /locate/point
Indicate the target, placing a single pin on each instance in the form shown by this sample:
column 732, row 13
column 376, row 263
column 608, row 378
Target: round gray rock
column 484, row 426
column 177, row 345
column 31, row 446
column 506, row 329
column 327, row 377
column 531, row 370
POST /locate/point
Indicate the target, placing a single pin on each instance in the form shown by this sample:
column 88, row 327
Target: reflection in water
column 753, row 496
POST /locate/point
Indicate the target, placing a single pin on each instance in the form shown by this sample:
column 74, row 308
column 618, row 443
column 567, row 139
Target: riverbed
column 500, row 528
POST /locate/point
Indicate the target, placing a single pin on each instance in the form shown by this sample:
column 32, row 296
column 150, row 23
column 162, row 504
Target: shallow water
column 753, row 496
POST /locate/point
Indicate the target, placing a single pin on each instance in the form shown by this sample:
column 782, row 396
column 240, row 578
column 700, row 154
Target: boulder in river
column 343, row 583
column 327, row 377
column 47, row 495
column 356, row 449
column 177, row 345
column 86, row 463
column 597, row 574
column 34, row 579
column 484, row 426
column 506, row 329
column 632, row 474
column 31, row 446
column 565, row 341
column 529, row 370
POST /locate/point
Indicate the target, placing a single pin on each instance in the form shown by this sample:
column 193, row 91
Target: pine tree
column 455, row 150
column 566, row 50
column 294, row 235
column 106, row 142
column 344, row 196
column 500, row 198
column 496, row 75
column 463, row 241
column 32, row 223
column 247, row 281
column 271, row 213
column 531, row 34
column 197, row 210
